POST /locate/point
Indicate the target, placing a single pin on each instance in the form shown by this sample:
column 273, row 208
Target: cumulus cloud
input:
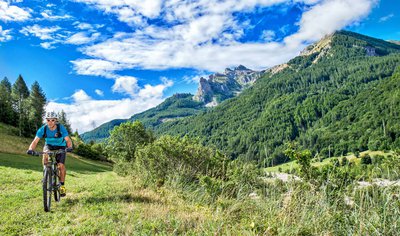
column 13, row 13
column 205, row 35
column 127, row 85
column 82, row 38
column 48, row 15
column 329, row 16
column 86, row 113
column 99, row 92
column 5, row 35
column 44, row 33
column 97, row 67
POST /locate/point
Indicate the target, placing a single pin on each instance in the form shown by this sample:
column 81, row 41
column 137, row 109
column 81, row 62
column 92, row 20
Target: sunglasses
column 52, row 120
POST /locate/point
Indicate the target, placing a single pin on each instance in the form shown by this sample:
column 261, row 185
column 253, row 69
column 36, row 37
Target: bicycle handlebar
column 34, row 153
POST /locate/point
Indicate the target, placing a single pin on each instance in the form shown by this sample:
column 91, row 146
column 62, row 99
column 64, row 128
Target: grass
column 99, row 202
column 288, row 166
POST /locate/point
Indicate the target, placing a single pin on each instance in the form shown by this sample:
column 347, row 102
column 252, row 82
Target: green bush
column 178, row 159
column 125, row 139
column 366, row 160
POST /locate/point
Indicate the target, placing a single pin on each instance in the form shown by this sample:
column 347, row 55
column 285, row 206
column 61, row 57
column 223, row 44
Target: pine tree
column 6, row 112
column 62, row 119
column 37, row 100
column 19, row 95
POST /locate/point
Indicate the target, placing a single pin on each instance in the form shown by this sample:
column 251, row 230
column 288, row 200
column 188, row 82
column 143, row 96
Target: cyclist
column 56, row 137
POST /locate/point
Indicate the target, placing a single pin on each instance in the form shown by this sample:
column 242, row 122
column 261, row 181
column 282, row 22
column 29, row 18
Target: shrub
column 366, row 160
column 181, row 159
column 125, row 139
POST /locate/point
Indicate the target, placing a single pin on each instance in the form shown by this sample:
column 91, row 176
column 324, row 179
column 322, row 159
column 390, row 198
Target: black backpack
column 58, row 134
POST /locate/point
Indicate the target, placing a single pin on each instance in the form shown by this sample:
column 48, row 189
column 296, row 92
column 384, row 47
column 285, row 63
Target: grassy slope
column 101, row 203
column 98, row 201
column 293, row 164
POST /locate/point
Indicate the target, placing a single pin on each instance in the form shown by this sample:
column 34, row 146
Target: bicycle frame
column 51, row 179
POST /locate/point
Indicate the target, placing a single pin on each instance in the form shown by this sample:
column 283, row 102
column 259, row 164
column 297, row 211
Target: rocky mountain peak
column 221, row 86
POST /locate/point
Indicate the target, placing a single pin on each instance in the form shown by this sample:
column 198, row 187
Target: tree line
column 25, row 108
column 345, row 102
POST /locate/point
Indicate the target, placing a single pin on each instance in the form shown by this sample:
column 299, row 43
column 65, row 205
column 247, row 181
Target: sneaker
column 63, row 191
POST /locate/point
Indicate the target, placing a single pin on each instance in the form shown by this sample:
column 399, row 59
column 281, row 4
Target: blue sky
column 100, row 60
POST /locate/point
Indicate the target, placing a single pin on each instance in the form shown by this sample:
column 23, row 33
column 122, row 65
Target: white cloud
column 44, row 33
column 267, row 35
column 83, row 26
column 13, row 13
column 205, row 35
column 5, row 35
column 86, row 113
column 385, row 18
column 48, row 15
column 97, row 67
column 328, row 16
column 127, row 85
column 99, row 92
column 47, row 45
column 81, row 96
column 157, row 91
column 82, row 38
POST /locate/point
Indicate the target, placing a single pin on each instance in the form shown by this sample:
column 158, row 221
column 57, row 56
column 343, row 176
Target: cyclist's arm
column 34, row 143
column 69, row 142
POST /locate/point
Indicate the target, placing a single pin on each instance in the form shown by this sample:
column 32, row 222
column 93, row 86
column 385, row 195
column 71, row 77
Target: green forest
column 346, row 101
column 25, row 108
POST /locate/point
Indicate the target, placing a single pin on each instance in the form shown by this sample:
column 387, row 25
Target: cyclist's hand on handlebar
column 68, row 149
column 30, row 152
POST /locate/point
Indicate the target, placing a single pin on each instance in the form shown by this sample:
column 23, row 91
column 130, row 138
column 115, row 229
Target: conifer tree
column 6, row 112
column 19, row 95
column 62, row 119
column 37, row 100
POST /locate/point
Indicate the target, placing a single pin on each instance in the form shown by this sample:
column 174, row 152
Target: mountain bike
column 51, row 178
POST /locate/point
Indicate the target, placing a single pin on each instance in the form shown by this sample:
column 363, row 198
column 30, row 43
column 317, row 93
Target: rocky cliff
column 221, row 86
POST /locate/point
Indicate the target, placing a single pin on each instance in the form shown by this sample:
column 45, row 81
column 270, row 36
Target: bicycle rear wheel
column 47, row 189
column 56, row 187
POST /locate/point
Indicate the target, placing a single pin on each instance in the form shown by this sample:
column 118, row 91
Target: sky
column 100, row 60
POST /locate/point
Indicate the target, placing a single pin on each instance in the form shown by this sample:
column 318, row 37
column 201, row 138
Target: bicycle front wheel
column 56, row 187
column 47, row 182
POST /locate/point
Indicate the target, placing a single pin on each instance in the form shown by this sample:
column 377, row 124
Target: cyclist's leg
column 61, row 166
column 45, row 156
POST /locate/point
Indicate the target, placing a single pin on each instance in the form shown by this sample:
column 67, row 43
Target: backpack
column 58, row 134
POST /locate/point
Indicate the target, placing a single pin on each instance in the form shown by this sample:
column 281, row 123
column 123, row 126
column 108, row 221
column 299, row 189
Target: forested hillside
column 174, row 107
column 341, row 95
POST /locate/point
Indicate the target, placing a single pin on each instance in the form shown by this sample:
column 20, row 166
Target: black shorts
column 60, row 157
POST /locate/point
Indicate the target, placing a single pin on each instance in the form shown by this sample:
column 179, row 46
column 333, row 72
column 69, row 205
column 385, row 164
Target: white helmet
column 51, row 115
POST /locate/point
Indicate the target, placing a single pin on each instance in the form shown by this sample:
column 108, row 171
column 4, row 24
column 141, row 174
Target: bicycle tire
column 56, row 181
column 47, row 189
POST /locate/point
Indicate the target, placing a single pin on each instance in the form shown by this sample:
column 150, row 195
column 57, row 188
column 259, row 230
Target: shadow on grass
column 119, row 198
column 26, row 162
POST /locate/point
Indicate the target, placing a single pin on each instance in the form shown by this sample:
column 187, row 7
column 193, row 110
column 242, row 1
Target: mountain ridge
column 288, row 105
column 291, row 101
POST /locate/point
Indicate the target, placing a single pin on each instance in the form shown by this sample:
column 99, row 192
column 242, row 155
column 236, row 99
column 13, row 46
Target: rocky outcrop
column 221, row 86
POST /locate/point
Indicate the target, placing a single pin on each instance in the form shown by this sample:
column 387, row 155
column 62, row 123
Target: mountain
column 221, row 86
column 340, row 94
column 217, row 88
column 173, row 108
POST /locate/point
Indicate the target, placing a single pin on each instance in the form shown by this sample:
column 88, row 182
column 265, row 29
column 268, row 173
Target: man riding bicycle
column 56, row 137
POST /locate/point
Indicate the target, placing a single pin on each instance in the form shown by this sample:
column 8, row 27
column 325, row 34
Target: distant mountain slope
column 217, row 88
column 307, row 100
column 174, row 107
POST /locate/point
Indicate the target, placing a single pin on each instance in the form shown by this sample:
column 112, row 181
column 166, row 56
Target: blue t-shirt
column 51, row 135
